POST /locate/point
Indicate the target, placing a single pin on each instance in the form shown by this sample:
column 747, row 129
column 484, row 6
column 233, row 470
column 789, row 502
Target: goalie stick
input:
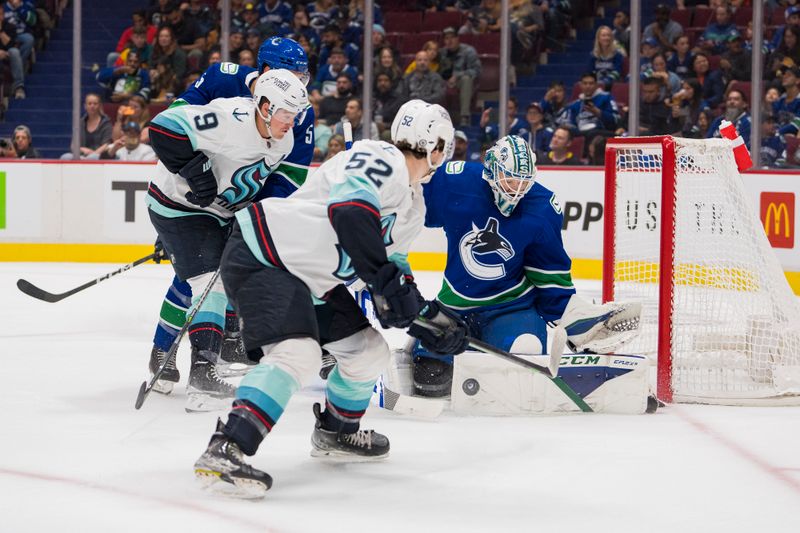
column 551, row 371
column 32, row 290
column 146, row 386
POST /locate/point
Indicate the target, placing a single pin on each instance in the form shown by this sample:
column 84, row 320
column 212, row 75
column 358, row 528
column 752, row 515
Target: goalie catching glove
column 201, row 180
column 600, row 328
column 446, row 332
column 396, row 297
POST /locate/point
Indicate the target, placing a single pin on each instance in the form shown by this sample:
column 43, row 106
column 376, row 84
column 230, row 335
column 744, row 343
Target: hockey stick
column 502, row 354
column 32, row 290
column 146, row 387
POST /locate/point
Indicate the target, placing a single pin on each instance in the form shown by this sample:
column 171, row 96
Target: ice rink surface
column 76, row 456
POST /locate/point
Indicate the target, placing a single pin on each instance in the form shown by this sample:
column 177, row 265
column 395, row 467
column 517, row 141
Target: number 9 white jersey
column 225, row 130
column 295, row 233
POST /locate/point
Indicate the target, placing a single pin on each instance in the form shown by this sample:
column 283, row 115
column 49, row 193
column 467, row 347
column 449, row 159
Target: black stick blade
column 142, row 394
column 32, row 290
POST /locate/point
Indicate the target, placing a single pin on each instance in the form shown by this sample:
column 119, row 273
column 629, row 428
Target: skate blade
column 247, row 489
column 233, row 370
column 163, row 386
column 337, row 456
column 197, row 402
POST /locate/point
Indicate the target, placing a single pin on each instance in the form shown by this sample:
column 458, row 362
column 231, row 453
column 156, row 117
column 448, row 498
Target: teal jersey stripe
column 350, row 395
column 355, row 188
column 168, row 212
column 401, row 260
column 452, row 298
column 249, row 236
column 174, row 119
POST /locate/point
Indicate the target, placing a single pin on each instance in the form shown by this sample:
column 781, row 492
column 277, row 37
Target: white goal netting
column 733, row 323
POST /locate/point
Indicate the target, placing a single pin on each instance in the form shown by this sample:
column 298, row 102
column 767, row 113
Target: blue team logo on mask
column 480, row 248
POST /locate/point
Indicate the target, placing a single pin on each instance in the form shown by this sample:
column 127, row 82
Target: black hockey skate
column 433, row 378
column 206, row 390
column 328, row 362
column 169, row 377
column 363, row 445
column 233, row 360
column 222, row 469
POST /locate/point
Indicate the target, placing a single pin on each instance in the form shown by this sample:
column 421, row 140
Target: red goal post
column 681, row 237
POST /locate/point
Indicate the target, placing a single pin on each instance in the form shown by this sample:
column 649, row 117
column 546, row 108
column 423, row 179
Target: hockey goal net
column 681, row 236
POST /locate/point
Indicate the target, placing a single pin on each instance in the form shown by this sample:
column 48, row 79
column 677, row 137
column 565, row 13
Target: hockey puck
column 471, row 387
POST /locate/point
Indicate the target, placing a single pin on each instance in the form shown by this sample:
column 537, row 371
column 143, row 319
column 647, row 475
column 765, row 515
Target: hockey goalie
column 508, row 277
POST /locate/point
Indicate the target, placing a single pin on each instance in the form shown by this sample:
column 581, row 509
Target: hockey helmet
column 510, row 169
column 282, row 52
column 288, row 97
column 424, row 126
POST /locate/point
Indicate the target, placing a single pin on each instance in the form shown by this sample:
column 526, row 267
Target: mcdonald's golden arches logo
column 777, row 215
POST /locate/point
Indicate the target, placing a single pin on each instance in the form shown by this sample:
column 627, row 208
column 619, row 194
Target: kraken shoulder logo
column 482, row 243
column 245, row 183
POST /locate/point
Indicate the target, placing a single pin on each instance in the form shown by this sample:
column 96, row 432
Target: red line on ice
column 185, row 505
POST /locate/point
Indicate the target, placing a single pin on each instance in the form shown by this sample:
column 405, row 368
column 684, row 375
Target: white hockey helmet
column 424, row 126
column 510, row 169
column 287, row 95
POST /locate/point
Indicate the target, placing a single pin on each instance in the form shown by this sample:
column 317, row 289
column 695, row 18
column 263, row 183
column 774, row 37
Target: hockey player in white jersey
column 355, row 217
column 214, row 158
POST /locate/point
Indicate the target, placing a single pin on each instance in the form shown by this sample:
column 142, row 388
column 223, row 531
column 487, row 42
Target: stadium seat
column 713, row 62
column 489, row 79
column 702, row 16
column 792, row 145
column 576, row 146
column 776, row 17
column 682, row 17
column 694, row 35
column 413, row 42
column 743, row 15
column 744, row 86
column 439, row 20
column 395, row 39
column 405, row 60
column 486, row 43
column 402, row 21
column 619, row 92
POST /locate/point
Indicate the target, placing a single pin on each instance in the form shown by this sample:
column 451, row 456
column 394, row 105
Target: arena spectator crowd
column 694, row 71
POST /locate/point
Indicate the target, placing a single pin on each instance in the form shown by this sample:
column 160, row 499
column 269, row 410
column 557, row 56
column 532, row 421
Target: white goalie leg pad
column 484, row 385
column 361, row 357
column 297, row 357
column 600, row 328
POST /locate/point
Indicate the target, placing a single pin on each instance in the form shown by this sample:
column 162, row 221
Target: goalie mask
column 510, row 169
column 424, row 126
column 287, row 95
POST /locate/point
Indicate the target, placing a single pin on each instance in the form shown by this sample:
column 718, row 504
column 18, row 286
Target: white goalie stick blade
column 558, row 342
column 412, row 405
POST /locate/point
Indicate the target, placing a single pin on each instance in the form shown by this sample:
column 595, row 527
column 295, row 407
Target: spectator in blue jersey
column 605, row 60
column 9, row 52
column 736, row 113
column 718, row 32
column 277, row 13
column 786, row 108
column 554, row 105
column 792, row 17
column 649, row 49
column 123, row 82
column 787, row 54
column 711, row 81
column 663, row 30
column 773, row 147
column 594, row 112
column 331, row 40
column 516, row 126
column 680, row 62
column 322, row 13
column 538, row 135
column 22, row 15
column 325, row 83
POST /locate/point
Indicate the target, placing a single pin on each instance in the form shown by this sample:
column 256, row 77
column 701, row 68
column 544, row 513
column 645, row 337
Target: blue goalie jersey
column 492, row 259
column 228, row 80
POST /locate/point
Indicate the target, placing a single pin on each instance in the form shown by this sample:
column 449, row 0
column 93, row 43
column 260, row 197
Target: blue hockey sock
column 173, row 314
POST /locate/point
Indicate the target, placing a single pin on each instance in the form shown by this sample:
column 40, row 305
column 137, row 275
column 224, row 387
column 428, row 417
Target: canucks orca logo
column 245, row 183
column 483, row 243
column 346, row 272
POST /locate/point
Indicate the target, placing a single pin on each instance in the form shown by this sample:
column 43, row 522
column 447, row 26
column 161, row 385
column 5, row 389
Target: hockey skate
column 233, row 360
column 206, row 390
column 363, row 445
column 169, row 377
column 222, row 469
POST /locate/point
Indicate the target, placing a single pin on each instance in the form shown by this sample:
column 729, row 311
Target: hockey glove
column 448, row 334
column 159, row 253
column 396, row 297
column 201, row 180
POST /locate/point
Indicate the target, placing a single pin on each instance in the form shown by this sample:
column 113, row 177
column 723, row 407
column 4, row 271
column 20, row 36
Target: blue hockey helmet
column 281, row 52
column 510, row 169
